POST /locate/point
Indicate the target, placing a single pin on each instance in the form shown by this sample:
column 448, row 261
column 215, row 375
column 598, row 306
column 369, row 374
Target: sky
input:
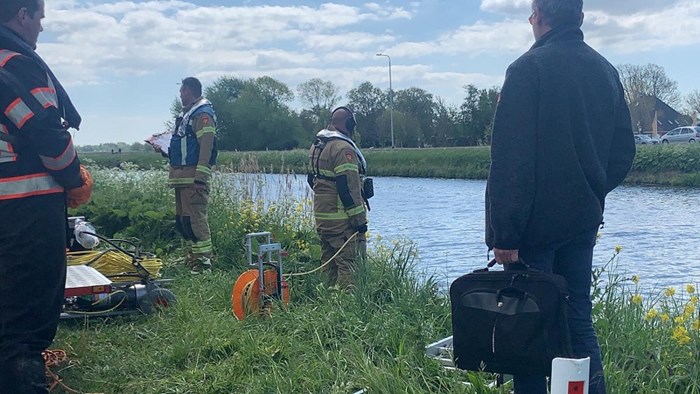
column 122, row 61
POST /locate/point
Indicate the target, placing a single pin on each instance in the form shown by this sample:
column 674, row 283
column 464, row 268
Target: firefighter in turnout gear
column 339, row 207
column 39, row 173
column 192, row 155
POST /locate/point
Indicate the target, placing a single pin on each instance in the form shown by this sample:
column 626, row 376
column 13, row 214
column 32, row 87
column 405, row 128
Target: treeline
column 255, row 114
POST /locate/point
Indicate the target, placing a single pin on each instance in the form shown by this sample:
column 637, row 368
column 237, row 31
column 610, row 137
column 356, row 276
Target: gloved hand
column 81, row 195
column 362, row 229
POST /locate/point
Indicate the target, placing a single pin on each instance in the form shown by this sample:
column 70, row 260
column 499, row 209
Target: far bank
column 663, row 165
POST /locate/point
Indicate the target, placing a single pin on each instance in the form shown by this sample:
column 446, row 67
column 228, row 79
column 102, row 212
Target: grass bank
column 324, row 341
column 677, row 165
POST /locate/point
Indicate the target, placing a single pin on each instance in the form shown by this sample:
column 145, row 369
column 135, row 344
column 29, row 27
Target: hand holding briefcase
column 509, row 322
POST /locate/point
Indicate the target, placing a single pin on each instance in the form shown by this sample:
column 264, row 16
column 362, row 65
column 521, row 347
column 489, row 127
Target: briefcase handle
column 519, row 266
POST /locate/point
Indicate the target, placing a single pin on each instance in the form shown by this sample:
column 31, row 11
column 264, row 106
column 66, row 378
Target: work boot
column 200, row 265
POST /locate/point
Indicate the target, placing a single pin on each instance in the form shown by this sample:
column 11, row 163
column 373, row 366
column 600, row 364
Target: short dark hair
column 193, row 85
column 10, row 8
column 559, row 12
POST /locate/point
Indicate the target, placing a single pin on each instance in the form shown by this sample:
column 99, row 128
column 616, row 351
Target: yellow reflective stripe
column 5, row 56
column 327, row 173
column 181, row 181
column 331, row 215
column 204, row 169
column 346, row 167
column 202, row 246
column 18, row 112
column 356, row 211
column 28, row 185
column 60, row 162
column 206, row 130
column 46, row 96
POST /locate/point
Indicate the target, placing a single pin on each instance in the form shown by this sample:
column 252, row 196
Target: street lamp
column 391, row 101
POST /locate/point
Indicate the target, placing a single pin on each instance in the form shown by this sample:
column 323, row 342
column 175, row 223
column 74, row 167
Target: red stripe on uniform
column 34, row 193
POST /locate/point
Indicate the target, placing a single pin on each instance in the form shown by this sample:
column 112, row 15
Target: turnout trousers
column 341, row 270
column 33, row 233
column 191, row 207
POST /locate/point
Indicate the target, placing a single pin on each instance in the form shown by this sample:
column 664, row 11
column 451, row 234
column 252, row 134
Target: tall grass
column 326, row 341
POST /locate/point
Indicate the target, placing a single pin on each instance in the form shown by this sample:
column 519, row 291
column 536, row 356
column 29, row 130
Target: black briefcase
column 509, row 322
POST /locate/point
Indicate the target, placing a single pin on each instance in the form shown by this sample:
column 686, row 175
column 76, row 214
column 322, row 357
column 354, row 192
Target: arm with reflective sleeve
column 205, row 129
column 39, row 126
column 347, row 180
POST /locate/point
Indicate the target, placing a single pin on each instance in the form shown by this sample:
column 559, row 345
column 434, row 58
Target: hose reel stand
column 262, row 283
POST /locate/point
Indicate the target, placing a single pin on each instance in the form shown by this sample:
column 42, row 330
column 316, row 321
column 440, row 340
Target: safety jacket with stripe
column 37, row 156
column 193, row 149
column 338, row 203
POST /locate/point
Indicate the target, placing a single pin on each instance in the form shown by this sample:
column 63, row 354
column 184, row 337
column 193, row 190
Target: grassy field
column 677, row 165
column 326, row 341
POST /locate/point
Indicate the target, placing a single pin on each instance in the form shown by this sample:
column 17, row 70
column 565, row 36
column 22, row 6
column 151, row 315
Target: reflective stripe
column 60, row 162
column 18, row 113
column 7, row 154
column 181, row 181
column 327, row 173
column 201, row 247
column 28, row 185
column 206, row 130
column 183, row 151
column 5, row 56
column 46, row 96
column 356, row 211
column 204, row 169
column 346, row 167
column 331, row 215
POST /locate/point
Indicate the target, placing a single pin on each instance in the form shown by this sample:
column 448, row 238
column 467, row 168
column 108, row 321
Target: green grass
column 676, row 165
column 326, row 341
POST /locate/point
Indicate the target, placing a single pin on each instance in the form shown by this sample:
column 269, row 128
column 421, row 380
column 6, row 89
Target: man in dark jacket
column 39, row 173
column 562, row 140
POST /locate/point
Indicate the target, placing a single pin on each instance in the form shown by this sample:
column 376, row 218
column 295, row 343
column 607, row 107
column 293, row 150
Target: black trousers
column 32, row 280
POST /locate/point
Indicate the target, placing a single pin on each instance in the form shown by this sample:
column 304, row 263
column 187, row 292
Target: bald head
column 343, row 120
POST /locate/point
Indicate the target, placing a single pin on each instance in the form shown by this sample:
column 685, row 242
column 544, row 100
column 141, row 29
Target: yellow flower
column 694, row 299
column 695, row 325
column 680, row 335
column 665, row 317
column 689, row 310
column 635, row 279
column 651, row 314
column 670, row 291
column 637, row 299
column 618, row 248
column 690, row 289
column 679, row 320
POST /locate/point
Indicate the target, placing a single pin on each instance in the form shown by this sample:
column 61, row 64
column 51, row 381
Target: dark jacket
column 562, row 140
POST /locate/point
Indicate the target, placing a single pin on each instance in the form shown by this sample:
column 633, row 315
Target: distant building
column 652, row 116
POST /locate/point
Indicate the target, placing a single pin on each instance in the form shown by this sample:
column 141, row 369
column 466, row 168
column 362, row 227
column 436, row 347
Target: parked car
column 643, row 139
column 689, row 134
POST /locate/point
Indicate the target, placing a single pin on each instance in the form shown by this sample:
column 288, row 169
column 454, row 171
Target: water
column 658, row 228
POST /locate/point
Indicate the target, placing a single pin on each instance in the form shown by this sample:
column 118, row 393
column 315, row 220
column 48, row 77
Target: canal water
column 658, row 228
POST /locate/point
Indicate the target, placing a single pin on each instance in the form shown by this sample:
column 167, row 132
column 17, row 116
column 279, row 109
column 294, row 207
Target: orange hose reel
column 251, row 295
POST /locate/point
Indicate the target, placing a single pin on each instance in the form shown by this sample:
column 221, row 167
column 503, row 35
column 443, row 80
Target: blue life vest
column 184, row 149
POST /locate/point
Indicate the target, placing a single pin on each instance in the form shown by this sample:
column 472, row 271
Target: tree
column 319, row 97
column 419, row 104
column 692, row 101
column 476, row 115
column 648, row 80
column 446, row 124
column 368, row 103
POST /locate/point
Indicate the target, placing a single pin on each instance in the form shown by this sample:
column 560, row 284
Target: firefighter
column 39, row 174
column 192, row 155
column 339, row 207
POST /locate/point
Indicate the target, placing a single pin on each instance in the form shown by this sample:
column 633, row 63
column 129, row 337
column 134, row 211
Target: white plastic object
column 81, row 230
column 570, row 375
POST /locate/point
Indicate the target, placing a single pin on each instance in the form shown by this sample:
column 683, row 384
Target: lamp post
column 391, row 101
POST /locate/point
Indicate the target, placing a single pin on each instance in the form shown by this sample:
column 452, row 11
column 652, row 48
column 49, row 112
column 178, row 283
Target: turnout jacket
column 338, row 203
column 192, row 150
column 37, row 156
column 562, row 140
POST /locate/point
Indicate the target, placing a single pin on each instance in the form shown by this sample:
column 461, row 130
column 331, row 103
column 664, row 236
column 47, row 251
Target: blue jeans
column 572, row 259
